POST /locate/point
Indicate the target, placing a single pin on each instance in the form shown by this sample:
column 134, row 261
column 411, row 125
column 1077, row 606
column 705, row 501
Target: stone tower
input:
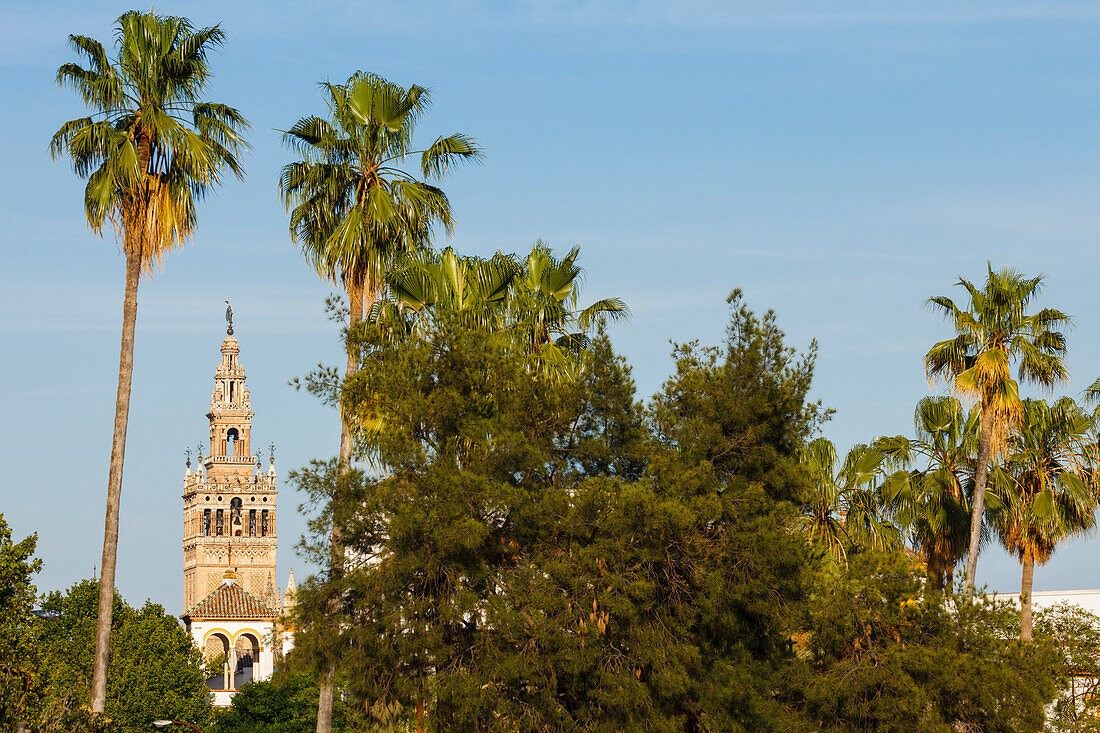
column 229, row 502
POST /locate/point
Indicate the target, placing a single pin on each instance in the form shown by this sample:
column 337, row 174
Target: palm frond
column 445, row 152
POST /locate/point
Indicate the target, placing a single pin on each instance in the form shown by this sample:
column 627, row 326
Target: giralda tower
column 229, row 502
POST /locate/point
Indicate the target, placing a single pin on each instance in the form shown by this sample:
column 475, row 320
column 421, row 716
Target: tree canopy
column 882, row 655
column 155, row 672
column 532, row 556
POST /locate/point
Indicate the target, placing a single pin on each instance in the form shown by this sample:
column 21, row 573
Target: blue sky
column 838, row 161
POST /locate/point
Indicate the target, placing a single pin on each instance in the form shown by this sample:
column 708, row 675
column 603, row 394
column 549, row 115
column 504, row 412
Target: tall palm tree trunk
column 1025, row 597
column 114, row 482
column 985, row 451
column 327, row 683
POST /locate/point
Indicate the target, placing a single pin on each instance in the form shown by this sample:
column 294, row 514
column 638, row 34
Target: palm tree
column 150, row 149
column 931, row 499
column 1048, row 481
column 545, row 314
column 993, row 332
column 843, row 510
column 354, row 209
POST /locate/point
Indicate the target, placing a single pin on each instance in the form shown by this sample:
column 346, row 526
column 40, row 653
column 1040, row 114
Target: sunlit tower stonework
column 230, row 502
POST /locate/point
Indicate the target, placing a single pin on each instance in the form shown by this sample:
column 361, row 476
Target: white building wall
column 1087, row 599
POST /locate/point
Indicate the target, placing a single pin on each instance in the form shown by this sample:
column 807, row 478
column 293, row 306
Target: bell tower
column 229, row 501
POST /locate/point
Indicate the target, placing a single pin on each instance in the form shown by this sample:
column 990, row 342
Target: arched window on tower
column 231, row 442
column 206, row 523
column 235, row 517
column 251, row 522
column 220, row 523
column 263, row 523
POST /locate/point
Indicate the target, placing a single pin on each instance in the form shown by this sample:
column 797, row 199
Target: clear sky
column 838, row 161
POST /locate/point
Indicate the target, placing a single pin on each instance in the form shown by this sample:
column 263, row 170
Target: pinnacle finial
column 189, row 458
column 272, row 447
column 228, row 318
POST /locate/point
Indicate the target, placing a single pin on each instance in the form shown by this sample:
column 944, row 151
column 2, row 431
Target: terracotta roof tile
column 230, row 600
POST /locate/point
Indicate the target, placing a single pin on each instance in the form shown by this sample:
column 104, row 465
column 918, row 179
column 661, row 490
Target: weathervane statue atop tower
column 229, row 318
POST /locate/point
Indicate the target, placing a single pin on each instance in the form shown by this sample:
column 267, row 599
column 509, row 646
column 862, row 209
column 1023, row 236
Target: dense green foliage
column 884, row 655
column 287, row 703
column 552, row 555
column 18, row 654
column 155, row 672
column 609, row 437
column 513, row 579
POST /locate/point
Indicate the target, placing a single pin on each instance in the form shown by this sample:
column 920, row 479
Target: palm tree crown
column 1048, row 487
column 545, row 311
column 994, row 331
column 423, row 288
column 151, row 146
column 353, row 207
column 534, row 301
column 1048, row 480
column 843, row 511
column 929, row 494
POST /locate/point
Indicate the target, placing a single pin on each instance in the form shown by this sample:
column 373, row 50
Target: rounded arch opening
column 247, row 648
column 236, row 524
column 231, row 438
column 215, row 643
column 217, row 655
